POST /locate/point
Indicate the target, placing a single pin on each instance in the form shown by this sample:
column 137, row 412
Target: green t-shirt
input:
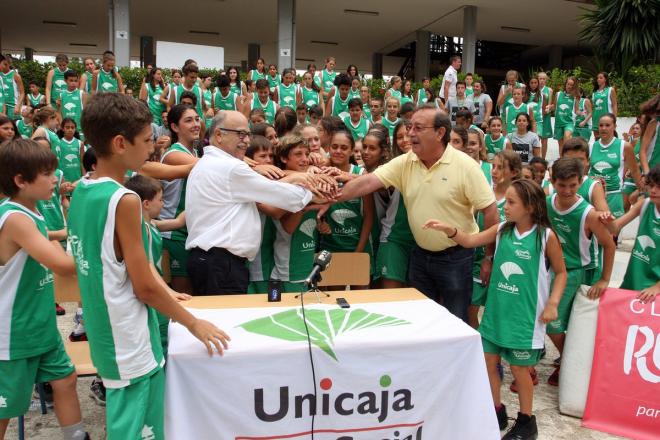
column 358, row 130
column 153, row 101
column 174, row 195
column 70, row 159
column 294, row 253
column 340, row 106
column 643, row 269
column 310, row 97
column 287, row 95
column 58, row 85
column 494, row 146
column 106, row 81
column 51, row 209
column 268, row 108
column 327, row 80
column 564, row 109
column 35, row 100
column 601, row 100
column 569, row 225
column 24, row 129
column 607, row 162
column 71, row 105
column 221, row 102
column 27, row 317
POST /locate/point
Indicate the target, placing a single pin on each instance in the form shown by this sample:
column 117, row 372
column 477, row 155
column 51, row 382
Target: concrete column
column 555, row 57
column 254, row 52
column 469, row 38
column 422, row 55
column 286, row 34
column 119, row 19
column 377, row 65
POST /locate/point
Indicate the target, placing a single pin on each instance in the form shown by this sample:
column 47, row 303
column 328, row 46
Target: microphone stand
column 313, row 287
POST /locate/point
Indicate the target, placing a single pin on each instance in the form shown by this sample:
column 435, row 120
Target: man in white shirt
column 224, row 230
column 449, row 80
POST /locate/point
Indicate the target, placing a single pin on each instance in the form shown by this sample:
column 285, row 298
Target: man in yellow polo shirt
column 436, row 181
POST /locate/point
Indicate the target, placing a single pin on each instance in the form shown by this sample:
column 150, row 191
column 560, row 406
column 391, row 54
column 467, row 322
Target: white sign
column 406, row 370
column 121, row 35
column 173, row 55
column 285, row 52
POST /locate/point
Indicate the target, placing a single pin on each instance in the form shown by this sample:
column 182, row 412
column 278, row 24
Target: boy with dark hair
column 575, row 221
column 338, row 103
column 355, row 122
column 224, row 98
column 31, row 349
column 261, row 100
column 301, row 113
column 315, row 114
column 71, row 101
column 115, row 276
column 189, row 84
column 376, row 107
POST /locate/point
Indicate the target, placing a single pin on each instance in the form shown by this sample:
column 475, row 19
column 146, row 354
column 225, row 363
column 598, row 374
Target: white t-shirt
column 451, row 75
column 480, row 107
column 524, row 145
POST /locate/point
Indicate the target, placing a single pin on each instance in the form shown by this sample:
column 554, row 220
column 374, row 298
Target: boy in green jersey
column 31, row 349
column 338, row 97
column 55, row 83
column 261, row 101
column 224, row 98
column 34, row 97
column 643, row 271
column 72, row 100
column 355, row 122
column 13, row 89
column 575, row 222
column 110, row 257
column 286, row 92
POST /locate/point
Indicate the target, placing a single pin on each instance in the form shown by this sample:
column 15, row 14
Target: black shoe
column 523, row 429
column 97, row 391
column 502, row 417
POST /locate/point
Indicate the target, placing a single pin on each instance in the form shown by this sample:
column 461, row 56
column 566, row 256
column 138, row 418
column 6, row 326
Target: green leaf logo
column 324, row 325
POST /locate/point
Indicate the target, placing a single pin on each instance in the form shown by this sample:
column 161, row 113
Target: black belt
column 449, row 250
column 218, row 250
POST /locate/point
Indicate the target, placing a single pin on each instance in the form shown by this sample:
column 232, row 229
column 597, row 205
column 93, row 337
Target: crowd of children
column 87, row 149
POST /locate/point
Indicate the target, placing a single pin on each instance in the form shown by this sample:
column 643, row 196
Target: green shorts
column 583, row 132
column 615, row 202
column 546, row 133
column 479, row 293
column 137, row 410
column 629, row 186
column 17, row 378
column 560, row 129
column 523, row 357
column 163, row 328
column 178, row 257
column 573, row 282
column 257, row 287
column 392, row 261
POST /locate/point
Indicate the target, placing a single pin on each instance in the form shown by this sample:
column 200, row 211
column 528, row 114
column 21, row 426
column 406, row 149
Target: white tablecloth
column 393, row 370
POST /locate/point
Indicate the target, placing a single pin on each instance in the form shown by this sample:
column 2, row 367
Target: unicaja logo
column 379, row 403
column 646, row 242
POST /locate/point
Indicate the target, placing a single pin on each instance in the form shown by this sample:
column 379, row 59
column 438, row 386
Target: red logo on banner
column 624, row 391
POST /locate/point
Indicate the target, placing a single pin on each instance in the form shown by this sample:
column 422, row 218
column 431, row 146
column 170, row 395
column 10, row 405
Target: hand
column 649, row 294
column 17, row 110
column 323, row 228
column 438, row 226
column 606, row 217
column 317, row 159
column 597, row 289
column 321, row 208
column 251, row 162
column 163, row 143
column 66, row 187
column 485, row 271
column 269, row 171
column 549, row 313
column 326, row 185
column 626, row 137
column 209, row 334
column 180, row 297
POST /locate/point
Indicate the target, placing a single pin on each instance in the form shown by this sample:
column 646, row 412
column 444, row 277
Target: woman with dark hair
column 8, row 130
column 603, row 100
column 352, row 70
column 235, row 81
column 259, row 72
column 649, row 153
column 150, row 93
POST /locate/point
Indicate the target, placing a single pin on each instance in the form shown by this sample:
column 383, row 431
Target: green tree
column 626, row 32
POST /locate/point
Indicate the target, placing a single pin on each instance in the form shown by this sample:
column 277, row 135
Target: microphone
column 321, row 263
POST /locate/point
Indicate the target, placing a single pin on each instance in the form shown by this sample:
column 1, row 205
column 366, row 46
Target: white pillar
column 119, row 27
column 469, row 38
column 422, row 55
column 286, row 34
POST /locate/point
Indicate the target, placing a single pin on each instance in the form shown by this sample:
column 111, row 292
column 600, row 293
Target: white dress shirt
column 221, row 208
column 450, row 75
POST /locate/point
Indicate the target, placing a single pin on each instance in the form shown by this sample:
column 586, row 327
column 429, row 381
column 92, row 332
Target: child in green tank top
column 31, row 351
column 135, row 380
column 261, row 101
column 520, row 301
column 495, row 140
column 107, row 79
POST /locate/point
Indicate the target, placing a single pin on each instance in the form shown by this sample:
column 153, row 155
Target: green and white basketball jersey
column 35, row 100
column 106, row 81
column 273, row 81
column 564, row 109
column 653, row 152
column 53, row 140
column 395, row 94
column 601, row 100
column 268, row 108
column 221, row 102
column 487, row 169
column 58, row 85
column 643, row 268
column 340, row 106
column 236, row 88
column 405, row 99
column 287, row 95
column 607, row 162
column 519, row 286
column 512, row 112
column 123, row 332
column 469, row 91
column 579, row 117
column 70, row 159
column 10, row 91
column 294, row 253
column 196, row 90
column 494, row 146
column 421, row 97
column 24, row 129
column 153, row 245
column 390, row 125
column 27, row 321
column 586, row 189
column 352, row 93
column 508, row 98
column 257, row 76
column 358, row 130
column 71, row 105
column 51, row 209
column 310, row 97
column 262, row 266
column 208, row 98
column 327, row 80
column 394, row 226
column 174, row 195
column 88, row 81
column 569, row 225
column 500, row 208
column 366, row 112
column 155, row 106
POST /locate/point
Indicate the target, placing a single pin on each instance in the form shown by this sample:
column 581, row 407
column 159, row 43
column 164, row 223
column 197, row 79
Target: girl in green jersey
column 495, row 140
column 504, row 98
column 649, row 152
column 563, row 106
column 516, row 107
column 535, row 100
column 237, row 86
column 603, row 100
column 643, row 271
column 406, row 93
column 395, row 89
column 259, row 73
column 349, row 222
column 365, row 96
column 506, row 169
column 34, row 97
column 150, row 93
column 421, row 98
column 55, row 79
column 310, row 93
column 327, row 76
column 582, row 118
column 392, row 115
column 273, row 77
column 286, row 93
column 546, row 132
column 88, row 75
column 520, row 301
column 107, row 79
column 70, row 145
column 45, row 121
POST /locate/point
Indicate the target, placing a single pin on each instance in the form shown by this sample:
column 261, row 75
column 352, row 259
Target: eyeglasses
column 412, row 127
column 240, row 133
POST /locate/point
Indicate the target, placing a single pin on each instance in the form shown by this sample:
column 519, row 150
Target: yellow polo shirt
column 450, row 191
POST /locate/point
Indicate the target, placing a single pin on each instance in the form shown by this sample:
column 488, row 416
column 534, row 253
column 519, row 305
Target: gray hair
column 217, row 123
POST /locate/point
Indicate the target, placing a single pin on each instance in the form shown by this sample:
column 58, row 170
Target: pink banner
column 624, row 392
